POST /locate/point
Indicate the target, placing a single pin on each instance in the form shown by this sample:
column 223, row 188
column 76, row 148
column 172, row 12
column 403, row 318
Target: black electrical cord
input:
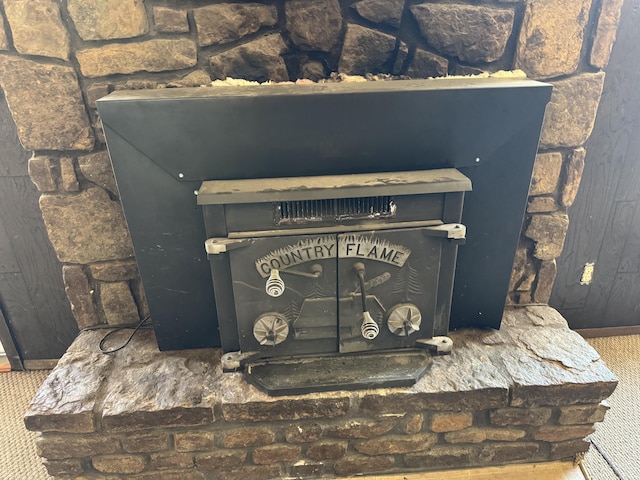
column 142, row 324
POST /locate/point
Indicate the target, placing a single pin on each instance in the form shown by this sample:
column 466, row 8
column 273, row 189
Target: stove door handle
column 369, row 329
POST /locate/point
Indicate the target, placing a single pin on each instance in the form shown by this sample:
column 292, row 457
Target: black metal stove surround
column 165, row 144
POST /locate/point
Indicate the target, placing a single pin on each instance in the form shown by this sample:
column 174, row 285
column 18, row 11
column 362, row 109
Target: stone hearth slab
column 501, row 396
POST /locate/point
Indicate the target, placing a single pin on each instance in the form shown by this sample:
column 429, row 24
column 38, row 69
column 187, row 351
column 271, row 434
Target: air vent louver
column 339, row 209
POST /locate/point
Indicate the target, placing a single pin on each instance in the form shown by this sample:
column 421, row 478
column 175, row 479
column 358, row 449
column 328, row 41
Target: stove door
column 285, row 294
column 399, row 272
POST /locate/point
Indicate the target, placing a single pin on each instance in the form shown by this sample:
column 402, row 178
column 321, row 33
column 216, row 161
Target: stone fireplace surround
column 105, row 46
column 77, row 51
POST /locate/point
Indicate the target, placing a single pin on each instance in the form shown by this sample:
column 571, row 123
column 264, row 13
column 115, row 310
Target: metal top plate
column 258, row 190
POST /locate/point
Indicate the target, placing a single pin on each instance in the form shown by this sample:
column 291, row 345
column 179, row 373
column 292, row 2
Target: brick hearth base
column 527, row 393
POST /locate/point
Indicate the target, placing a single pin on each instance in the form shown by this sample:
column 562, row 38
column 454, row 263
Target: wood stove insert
column 164, row 144
column 334, row 264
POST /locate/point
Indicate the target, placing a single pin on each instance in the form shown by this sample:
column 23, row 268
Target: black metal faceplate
column 163, row 144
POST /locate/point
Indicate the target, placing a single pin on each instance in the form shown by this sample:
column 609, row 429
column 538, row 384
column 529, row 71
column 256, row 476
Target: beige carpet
column 18, row 458
column 619, row 435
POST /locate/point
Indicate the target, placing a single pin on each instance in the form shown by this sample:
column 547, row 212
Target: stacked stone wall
column 57, row 57
column 528, row 393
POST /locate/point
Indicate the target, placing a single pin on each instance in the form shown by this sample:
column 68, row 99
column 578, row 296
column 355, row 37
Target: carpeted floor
column 618, row 436
column 18, row 458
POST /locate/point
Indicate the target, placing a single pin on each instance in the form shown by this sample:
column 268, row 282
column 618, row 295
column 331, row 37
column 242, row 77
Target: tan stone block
column 573, row 176
column 52, row 116
column 304, row 433
column 276, row 453
column 541, row 205
column 51, row 416
column 60, row 447
column 327, row 449
column 305, row 468
column 386, row 12
column 191, row 441
column 557, row 434
column 395, row 444
column 68, row 179
column 569, row 393
column 248, row 409
column 504, row 434
column 519, row 264
column 413, row 423
column 226, row 22
column 462, row 399
column 170, row 460
column 141, row 298
column 314, row 25
column 66, row 468
column 114, row 271
column 170, row 20
column 96, row 167
column 465, row 70
column 582, row 414
column 4, row 41
column 244, row 437
column 549, row 232
column 86, row 227
column 259, row 60
column 546, row 278
column 80, row 295
column 551, row 37
column 524, row 298
column 475, row 34
column 156, row 55
column 249, row 472
column 468, row 435
column 142, row 84
column 197, row 78
column 365, row 50
column 190, row 474
column 546, row 172
column 67, row 399
column 571, row 112
column 357, row 465
column 520, row 416
column 221, row 458
column 95, row 92
column 358, row 428
column 605, row 35
column 37, row 28
column 426, row 64
column 108, row 19
column 145, row 442
column 118, row 304
column 42, row 173
column 568, row 450
column 509, row 452
column 527, row 282
column 98, row 131
column 119, row 463
column 443, row 456
column 449, row 422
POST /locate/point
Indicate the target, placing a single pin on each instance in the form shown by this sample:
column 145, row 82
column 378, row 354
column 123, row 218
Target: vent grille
column 339, row 209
